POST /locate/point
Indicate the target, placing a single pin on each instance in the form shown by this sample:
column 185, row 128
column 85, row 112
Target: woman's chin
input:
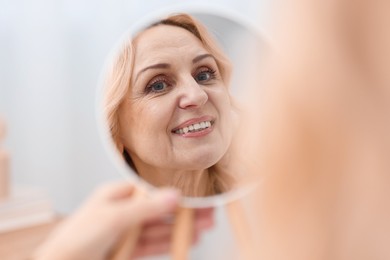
column 201, row 161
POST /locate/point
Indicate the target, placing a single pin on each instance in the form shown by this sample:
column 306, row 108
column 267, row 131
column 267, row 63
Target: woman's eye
column 205, row 76
column 157, row 86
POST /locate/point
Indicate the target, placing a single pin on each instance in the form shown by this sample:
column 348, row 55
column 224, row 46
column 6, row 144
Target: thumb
column 158, row 204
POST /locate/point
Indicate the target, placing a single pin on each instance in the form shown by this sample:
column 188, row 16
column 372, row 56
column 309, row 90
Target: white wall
column 51, row 56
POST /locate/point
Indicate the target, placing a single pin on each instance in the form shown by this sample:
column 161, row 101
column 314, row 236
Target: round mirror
column 170, row 102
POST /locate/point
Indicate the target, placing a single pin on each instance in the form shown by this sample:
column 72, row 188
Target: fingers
column 204, row 213
column 157, row 240
column 149, row 249
column 142, row 208
column 204, row 222
column 156, row 231
column 160, row 246
column 161, row 230
column 156, row 235
column 130, row 208
column 115, row 190
column 123, row 208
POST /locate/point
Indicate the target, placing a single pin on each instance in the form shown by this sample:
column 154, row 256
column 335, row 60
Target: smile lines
column 194, row 128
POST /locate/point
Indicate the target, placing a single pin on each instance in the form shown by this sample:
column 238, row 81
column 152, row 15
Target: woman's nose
column 192, row 95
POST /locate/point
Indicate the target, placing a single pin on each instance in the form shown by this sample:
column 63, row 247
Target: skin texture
column 94, row 230
column 162, row 98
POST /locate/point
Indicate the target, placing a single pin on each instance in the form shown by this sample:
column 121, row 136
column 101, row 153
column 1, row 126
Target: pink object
column 4, row 165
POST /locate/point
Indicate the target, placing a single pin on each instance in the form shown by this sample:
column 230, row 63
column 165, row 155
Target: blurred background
column 51, row 58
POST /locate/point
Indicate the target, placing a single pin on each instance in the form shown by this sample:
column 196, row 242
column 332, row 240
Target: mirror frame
column 108, row 144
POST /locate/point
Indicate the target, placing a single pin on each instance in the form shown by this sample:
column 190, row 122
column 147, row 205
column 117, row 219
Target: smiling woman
column 168, row 107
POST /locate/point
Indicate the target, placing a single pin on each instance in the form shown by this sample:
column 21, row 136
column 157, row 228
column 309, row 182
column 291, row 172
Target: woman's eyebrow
column 154, row 66
column 166, row 65
column 201, row 57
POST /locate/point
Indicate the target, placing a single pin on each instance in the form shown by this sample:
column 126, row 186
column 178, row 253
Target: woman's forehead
column 165, row 40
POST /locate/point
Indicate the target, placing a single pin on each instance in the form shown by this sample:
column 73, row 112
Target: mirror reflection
column 169, row 109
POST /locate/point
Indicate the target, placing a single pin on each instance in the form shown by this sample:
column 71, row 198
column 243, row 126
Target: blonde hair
column 118, row 83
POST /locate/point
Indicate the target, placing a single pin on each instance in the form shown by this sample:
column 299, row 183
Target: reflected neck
column 191, row 183
column 194, row 183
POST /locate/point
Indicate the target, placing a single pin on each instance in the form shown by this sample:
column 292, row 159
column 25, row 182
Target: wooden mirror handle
column 183, row 233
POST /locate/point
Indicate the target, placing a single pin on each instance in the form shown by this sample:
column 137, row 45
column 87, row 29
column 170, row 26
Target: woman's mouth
column 197, row 127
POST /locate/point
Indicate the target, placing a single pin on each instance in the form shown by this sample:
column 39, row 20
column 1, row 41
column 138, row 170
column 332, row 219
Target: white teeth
column 194, row 127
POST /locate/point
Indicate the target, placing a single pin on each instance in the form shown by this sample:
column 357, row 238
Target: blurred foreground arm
column 320, row 128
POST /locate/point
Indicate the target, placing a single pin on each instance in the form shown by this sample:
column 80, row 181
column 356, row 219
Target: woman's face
column 177, row 112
